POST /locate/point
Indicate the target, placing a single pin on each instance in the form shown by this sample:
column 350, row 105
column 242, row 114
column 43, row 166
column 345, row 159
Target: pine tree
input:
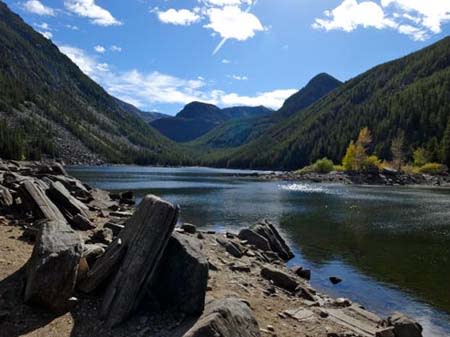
column 445, row 148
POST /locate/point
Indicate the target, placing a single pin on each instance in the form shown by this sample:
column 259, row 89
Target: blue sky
column 160, row 55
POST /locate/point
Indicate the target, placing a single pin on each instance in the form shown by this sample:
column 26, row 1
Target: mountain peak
column 319, row 86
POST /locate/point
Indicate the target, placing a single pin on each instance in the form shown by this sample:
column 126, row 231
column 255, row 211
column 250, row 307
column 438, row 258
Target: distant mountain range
column 198, row 118
column 48, row 107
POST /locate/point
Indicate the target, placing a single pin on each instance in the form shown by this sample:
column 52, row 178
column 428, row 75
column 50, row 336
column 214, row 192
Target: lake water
column 390, row 245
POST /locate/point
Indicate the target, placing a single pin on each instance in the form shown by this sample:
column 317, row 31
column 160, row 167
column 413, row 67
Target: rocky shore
column 78, row 261
column 385, row 177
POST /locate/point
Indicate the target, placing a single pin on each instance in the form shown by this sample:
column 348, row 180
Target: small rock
column 335, row 280
column 103, row 235
column 189, row 228
column 241, row 268
column 279, row 278
column 231, row 247
column 342, row 302
column 270, row 328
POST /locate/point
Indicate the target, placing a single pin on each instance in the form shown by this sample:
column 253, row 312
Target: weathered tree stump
column 51, row 272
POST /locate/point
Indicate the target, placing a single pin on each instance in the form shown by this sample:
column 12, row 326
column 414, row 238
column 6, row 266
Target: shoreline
column 275, row 305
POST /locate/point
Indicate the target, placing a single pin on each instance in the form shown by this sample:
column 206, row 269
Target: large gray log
column 227, row 317
column 144, row 239
column 35, row 200
column 51, row 272
column 68, row 205
column 182, row 276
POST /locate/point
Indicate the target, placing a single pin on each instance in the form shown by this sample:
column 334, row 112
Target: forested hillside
column 410, row 95
column 238, row 132
column 197, row 118
column 49, row 107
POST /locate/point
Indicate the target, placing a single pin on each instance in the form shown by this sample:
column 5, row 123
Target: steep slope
column 235, row 133
column 198, row 118
column 50, row 107
column 147, row 116
column 410, row 94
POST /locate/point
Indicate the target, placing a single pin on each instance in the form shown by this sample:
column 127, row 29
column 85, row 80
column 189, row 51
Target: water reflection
column 390, row 245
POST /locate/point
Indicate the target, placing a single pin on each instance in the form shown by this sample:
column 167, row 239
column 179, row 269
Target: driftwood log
column 132, row 259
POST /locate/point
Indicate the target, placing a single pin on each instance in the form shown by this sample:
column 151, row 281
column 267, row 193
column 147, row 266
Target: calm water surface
column 390, row 245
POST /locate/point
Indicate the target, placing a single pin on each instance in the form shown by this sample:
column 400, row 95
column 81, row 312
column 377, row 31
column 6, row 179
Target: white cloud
column 147, row 89
column 47, row 35
column 182, row 17
column 271, row 99
column 222, row 3
column 225, row 61
column 89, row 9
column 72, row 27
column 99, row 49
column 44, row 26
column 37, row 7
column 350, row 14
column 418, row 19
column 239, row 78
column 116, row 48
column 231, row 22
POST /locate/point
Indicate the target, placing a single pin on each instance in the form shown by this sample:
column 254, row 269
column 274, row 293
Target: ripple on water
column 306, row 188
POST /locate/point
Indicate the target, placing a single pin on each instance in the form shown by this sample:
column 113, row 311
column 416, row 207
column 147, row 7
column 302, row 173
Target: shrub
column 324, row 165
column 433, row 168
column 372, row 163
column 421, row 157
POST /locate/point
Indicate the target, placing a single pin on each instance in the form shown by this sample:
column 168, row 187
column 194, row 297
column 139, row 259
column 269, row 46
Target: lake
column 390, row 245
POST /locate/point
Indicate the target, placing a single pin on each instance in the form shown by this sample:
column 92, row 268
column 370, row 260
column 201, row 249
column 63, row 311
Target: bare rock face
column 51, row 272
column 69, row 205
column 6, row 199
column 279, row 278
column 254, row 239
column 404, row 326
column 132, row 259
column 229, row 317
column 35, row 200
column 266, row 237
column 182, row 276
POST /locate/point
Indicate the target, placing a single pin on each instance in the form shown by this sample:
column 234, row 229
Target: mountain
column 235, row 133
column 148, row 116
column 198, row 118
column 316, row 88
column 410, row 94
column 48, row 106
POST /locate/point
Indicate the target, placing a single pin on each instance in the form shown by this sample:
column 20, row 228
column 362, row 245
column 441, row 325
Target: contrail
column 222, row 42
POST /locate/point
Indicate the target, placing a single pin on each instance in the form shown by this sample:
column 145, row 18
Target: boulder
column 303, row 273
column 51, row 272
column 254, row 239
column 182, row 276
column 69, row 205
column 279, row 278
column 82, row 223
column 102, row 235
column 189, row 228
column 35, row 200
column 92, row 252
column 228, row 317
column 132, row 259
column 127, row 198
column 76, row 187
column 404, row 326
column 276, row 242
column 231, row 247
column 6, row 198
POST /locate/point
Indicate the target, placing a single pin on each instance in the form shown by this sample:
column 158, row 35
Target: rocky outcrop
column 35, row 200
column 266, row 237
column 133, row 259
column 69, row 205
column 229, row 317
column 182, row 276
column 51, row 272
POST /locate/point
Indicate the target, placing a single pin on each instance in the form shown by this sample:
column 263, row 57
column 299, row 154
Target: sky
column 162, row 54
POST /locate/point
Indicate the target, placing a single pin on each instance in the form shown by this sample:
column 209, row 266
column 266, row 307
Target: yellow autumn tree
column 356, row 157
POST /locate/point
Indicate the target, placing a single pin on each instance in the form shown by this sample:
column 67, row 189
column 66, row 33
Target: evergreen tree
column 445, row 148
